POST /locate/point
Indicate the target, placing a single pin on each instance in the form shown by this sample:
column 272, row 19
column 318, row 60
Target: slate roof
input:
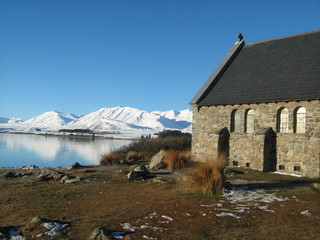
column 279, row 69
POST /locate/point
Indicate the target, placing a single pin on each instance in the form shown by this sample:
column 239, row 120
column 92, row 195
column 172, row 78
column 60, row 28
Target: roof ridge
column 283, row 37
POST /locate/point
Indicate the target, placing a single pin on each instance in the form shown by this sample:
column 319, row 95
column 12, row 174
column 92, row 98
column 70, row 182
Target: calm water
column 18, row 150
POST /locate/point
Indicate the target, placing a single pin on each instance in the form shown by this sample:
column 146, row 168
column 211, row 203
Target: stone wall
column 298, row 153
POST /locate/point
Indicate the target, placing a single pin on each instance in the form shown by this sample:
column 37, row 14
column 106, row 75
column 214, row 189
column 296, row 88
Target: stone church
column 261, row 106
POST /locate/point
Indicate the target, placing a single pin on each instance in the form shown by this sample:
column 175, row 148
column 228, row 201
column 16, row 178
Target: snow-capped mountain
column 121, row 119
column 51, row 119
column 136, row 118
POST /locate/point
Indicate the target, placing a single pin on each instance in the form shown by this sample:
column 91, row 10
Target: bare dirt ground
column 171, row 210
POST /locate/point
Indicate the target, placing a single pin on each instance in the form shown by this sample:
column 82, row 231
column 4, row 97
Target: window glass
column 301, row 120
column 284, row 120
column 237, row 119
column 250, row 121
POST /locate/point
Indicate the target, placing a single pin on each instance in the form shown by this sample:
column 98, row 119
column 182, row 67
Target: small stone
column 100, row 233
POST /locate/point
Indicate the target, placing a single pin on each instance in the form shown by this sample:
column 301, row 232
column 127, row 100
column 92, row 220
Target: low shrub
column 208, row 177
column 177, row 159
column 112, row 158
column 149, row 147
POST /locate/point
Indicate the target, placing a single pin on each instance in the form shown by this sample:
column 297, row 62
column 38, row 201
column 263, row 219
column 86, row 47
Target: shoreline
column 73, row 136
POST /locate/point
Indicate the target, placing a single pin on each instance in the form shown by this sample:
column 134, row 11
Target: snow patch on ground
column 243, row 199
column 287, row 174
column 306, row 213
column 53, row 228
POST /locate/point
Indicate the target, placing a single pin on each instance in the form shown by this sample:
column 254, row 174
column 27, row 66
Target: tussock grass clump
column 112, row 158
column 208, row 177
column 133, row 156
column 177, row 159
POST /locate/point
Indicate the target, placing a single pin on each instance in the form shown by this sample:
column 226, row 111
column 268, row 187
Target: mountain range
column 120, row 119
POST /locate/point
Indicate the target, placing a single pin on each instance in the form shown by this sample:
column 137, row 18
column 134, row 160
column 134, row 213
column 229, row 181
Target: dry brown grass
column 109, row 200
column 112, row 158
column 134, row 156
column 208, row 176
column 177, row 159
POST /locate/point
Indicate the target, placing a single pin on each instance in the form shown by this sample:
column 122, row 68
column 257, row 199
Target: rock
column 48, row 174
column 100, row 233
column 31, row 167
column 75, row 165
column 64, row 179
column 70, row 179
column 142, row 169
column 73, row 180
column 9, row 175
column 37, row 220
column 138, row 173
column 316, row 186
column 157, row 161
column 134, row 176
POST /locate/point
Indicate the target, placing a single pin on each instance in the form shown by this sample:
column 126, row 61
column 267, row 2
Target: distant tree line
column 76, row 131
column 172, row 133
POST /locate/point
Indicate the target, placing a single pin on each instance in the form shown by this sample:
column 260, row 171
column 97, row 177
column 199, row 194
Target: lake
column 18, row 150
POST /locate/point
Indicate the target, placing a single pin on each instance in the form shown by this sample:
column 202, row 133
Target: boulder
column 100, row 233
column 138, row 173
column 9, row 175
column 75, row 165
column 141, row 169
column 48, row 174
column 70, row 179
column 134, row 176
column 157, row 162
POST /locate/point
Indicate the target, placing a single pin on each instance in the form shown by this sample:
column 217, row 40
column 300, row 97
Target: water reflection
column 49, row 151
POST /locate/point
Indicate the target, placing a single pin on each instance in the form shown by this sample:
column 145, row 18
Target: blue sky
column 78, row 56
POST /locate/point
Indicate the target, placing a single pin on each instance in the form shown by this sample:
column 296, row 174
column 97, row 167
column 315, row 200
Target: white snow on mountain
column 15, row 120
column 134, row 118
column 184, row 115
column 51, row 119
column 121, row 119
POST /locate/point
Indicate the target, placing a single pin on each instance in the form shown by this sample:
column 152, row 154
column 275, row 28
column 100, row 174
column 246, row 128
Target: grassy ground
column 110, row 200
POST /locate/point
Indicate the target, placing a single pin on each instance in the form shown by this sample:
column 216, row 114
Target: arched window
column 249, row 121
column 300, row 120
column 283, row 116
column 235, row 121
